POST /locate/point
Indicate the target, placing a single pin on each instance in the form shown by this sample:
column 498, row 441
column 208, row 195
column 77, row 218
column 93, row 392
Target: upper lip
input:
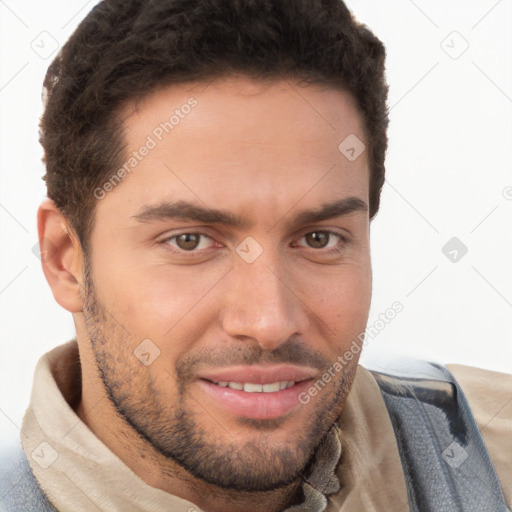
column 259, row 374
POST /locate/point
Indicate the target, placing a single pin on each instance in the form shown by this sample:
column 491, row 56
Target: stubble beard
column 175, row 433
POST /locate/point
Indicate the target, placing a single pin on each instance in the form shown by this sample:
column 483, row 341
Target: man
column 212, row 171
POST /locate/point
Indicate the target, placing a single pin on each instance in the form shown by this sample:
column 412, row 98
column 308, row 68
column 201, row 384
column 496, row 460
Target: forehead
column 261, row 143
column 244, row 107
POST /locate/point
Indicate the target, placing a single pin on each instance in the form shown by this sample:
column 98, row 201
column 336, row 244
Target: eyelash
column 336, row 250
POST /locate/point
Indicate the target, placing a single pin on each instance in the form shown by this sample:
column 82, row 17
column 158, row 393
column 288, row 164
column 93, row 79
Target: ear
column 61, row 256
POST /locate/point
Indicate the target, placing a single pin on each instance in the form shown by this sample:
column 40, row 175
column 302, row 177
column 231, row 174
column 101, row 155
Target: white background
column 448, row 175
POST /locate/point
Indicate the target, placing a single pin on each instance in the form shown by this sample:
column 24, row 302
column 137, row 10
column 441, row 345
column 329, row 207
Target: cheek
column 157, row 301
column 348, row 307
column 343, row 303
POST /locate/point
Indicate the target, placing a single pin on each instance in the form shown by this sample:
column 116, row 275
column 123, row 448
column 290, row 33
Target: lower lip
column 258, row 406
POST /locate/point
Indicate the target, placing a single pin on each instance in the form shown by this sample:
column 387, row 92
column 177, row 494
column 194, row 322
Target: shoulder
column 489, row 394
column 19, row 490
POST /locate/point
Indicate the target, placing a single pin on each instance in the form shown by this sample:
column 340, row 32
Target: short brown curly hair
column 124, row 49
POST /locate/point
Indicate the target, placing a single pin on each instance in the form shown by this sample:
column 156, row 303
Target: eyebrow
column 192, row 212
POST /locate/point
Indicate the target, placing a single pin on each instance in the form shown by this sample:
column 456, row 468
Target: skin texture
column 265, row 151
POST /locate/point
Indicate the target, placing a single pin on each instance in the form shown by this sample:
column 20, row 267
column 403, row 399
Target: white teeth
column 270, row 388
column 253, row 388
column 250, row 387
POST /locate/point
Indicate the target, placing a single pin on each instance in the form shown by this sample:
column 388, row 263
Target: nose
column 261, row 304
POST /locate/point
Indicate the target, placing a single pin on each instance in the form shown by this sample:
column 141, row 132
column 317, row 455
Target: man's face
column 265, row 296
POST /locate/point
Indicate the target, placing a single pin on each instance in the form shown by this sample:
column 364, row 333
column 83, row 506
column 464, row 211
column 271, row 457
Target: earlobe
column 61, row 256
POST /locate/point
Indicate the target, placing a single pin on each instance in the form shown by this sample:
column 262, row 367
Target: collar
column 80, row 470
column 322, row 479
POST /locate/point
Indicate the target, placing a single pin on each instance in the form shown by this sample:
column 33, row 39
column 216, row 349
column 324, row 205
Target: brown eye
column 195, row 244
column 318, row 239
column 188, row 241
